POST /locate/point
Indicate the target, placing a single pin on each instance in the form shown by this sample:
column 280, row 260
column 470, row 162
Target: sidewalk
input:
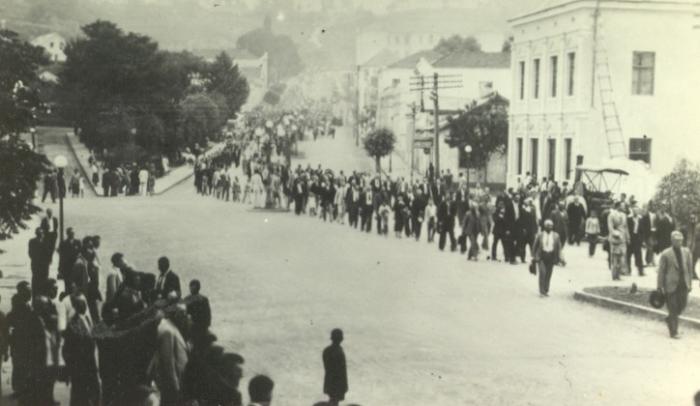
column 172, row 178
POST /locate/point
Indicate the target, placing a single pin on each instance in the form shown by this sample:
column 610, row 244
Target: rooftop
column 551, row 5
column 382, row 58
column 410, row 61
column 474, row 60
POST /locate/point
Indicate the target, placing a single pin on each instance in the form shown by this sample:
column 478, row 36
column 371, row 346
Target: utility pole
column 413, row 136
column 439, row 83
column 436, row 117
column 357, row 107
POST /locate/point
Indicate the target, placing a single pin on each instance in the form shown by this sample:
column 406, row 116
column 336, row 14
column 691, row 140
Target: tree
column 20, row 172
column 379, row 143
column 482, row 126
column 456, row 43
column 283, row 55
column 109, row 71
column 18, row 82
column 20, row 167
column 225, row 79
column 679, row 192
column 200, row 120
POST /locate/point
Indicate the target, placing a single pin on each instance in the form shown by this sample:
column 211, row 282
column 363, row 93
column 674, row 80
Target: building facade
column 595, row 80
column 53, row 44
column 473, row 76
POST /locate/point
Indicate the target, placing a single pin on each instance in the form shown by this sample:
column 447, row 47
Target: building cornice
column 566, row 6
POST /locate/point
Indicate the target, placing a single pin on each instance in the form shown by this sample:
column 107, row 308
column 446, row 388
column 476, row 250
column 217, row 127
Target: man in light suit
column 546, row 253
column 674, row 281
column 79, row 353
column 617, row 221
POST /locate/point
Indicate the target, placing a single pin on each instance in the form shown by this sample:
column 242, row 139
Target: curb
column 88, row 178
column 191, row 174
column 631, row 308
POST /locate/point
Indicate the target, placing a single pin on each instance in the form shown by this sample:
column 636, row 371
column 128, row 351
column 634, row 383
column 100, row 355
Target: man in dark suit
column 674, row 280
column 366, row 209
column 39, row 260
column 418, row 212
column 526, row 229
column 446, row 222
column 68, row 252
column 352, row 202
column 79, row 354
column 198, row 308
column 168, row 283
column 664, row 227
column 634, row 225
column 647, row 230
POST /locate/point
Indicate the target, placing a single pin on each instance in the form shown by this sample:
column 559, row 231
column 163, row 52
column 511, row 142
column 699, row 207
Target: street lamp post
column 61, row 162
column 32, row 131
column 468, row 150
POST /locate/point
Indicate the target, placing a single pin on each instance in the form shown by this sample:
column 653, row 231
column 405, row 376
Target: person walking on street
column 335, row 381
column 546, row 253
column 674, row 280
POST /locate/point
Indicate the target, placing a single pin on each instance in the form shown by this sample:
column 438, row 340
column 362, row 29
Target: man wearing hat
column 546, row 253
column 674, row 281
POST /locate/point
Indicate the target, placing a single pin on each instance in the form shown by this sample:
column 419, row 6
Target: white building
column 472, row 76
column 53, row 44
column 581, row 67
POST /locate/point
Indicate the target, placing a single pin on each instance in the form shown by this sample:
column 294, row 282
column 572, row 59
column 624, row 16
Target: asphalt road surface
column 421, row 326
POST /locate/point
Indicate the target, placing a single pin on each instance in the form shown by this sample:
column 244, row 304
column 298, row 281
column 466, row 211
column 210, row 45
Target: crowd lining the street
column 131, row 340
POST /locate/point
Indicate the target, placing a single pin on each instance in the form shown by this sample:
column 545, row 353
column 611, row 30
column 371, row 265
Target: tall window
column 534, row 157
column 643, row 72
column 567, row 158
column 640, row 149
column 551, row 158
column 520, row 156
column 522, row 79
column 571, row 56
column 536, row 79
column 553, row 69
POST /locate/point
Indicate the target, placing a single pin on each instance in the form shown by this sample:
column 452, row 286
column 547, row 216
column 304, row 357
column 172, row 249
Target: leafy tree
column 108, row 71
column 225, row 79
column 482, row 126
column 679, row 191
column 379, row 143
column 457, row 43
column 20, row 173
column 283, row 55
column 200, row 120
column 18, row 82
column 20, row 167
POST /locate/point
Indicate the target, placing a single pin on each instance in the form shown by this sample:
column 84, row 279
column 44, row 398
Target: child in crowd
column 592, row 232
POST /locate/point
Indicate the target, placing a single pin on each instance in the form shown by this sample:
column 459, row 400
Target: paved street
column 422, row 327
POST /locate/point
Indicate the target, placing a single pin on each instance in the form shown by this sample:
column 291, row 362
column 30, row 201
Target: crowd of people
column 522, row 220
column 127, row 180
column 132, row 339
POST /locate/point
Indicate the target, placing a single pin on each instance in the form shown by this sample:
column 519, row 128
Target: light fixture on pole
column 32, row 131
column 60, row 162
column 467, row 151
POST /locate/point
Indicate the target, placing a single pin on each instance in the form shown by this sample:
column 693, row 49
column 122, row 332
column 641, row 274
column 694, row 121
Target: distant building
column 476, row 75
column 599, row 80
column 53, row 44
column 408, row 32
